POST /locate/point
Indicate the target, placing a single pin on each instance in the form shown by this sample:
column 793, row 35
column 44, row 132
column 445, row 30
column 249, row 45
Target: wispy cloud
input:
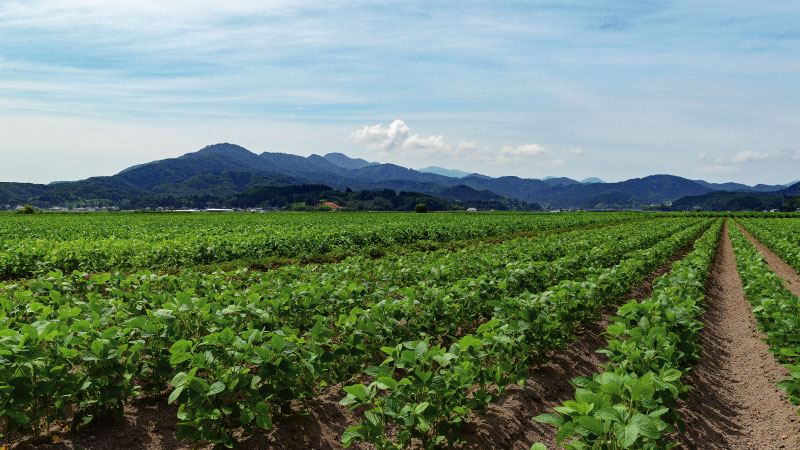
column 747, row 155
column 649, row 82
column 396, row 139
column 716, row 165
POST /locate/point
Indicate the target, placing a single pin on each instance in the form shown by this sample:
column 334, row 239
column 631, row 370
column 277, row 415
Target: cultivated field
column 395, row 331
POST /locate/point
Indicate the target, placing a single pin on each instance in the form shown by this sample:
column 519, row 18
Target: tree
column 421, row 208
column 27, row 209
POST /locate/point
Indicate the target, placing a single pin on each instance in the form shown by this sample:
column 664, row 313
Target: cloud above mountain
column 397, row 139
column 717, row 165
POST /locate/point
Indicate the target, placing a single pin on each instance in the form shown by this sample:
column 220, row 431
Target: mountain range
column 219, row 172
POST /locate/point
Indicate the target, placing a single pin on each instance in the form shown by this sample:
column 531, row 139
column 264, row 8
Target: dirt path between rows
column 735, row 403
column 790, row 278
column 507, row 424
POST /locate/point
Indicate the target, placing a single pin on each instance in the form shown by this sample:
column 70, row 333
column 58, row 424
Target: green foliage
column 775, row 308
column 473, row 371
column 102, row 242
column 238, row 350
column 633, row 404
column 27, row 209
column 733, row 201
column 421, row 208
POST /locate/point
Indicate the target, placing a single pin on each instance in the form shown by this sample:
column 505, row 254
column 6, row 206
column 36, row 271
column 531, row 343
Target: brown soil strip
column 149, row 425
column 504, row 425
column 735, row 403
column 790, row 278
column 507, row 424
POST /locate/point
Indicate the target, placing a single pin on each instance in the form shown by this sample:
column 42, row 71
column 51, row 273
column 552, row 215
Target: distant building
column 472, row 209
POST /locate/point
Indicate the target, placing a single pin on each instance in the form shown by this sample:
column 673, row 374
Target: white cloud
column 745, row 156
column 397, row 138
column 715, row 165
column 577, row 151
column 522, row 150
column 721, row 165
column 378, row 137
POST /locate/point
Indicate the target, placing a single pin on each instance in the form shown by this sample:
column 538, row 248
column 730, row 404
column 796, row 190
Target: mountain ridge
column 223, row 170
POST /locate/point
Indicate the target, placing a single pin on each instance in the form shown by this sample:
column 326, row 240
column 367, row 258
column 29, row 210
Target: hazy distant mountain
column 592, row 180
column 218, row 172
column 738, row 187
column 786, row 199
column 445, row 172
column 346, row 162
column 559, row 181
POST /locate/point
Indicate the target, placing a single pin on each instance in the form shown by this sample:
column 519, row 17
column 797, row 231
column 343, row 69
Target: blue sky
column 613, row 89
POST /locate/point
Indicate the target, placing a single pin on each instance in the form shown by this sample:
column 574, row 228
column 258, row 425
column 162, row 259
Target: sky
column 612, row 89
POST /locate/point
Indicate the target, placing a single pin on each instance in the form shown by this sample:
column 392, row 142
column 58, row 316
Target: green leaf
column 616, row 329
column 175, row 394
column 538, row 446
column 643, row 389
column 387, row 383
column 648, row 426
column 179, row 379
column 626, row 434
column 420, row 350
column 610, row 414
column 352, row 434
column 226, row 336
column 589, row 424
column 671, row 375
column 180, row 352
column 358, row 391
column 216, row 388
column 550, row 419
column 97, row 347
column 277, row 342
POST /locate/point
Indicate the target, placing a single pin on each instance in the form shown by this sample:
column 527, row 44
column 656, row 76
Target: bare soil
column 735, row 403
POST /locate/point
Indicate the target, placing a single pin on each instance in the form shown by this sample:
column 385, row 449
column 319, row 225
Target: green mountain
column 345, row 162
column 444, row 172
column 215, row 174
column 787, row 200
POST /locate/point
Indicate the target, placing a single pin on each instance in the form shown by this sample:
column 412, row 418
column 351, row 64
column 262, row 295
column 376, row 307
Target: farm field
column 118, row 241
column 395, row 331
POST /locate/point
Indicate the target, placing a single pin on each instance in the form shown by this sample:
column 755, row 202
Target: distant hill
column 738, row 187
column 216, row 173
column 444, row 172
column 592, row 180
column 344, row 161
column 736, row 201
column 787, row 199
column 559, row 181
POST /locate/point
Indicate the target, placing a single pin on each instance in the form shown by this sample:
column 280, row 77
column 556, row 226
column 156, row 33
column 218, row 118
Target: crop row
column 36, row 245
column 632, row 403
column 782, row 237
column 80, row 346
column 424, row 389
column 776, row 309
